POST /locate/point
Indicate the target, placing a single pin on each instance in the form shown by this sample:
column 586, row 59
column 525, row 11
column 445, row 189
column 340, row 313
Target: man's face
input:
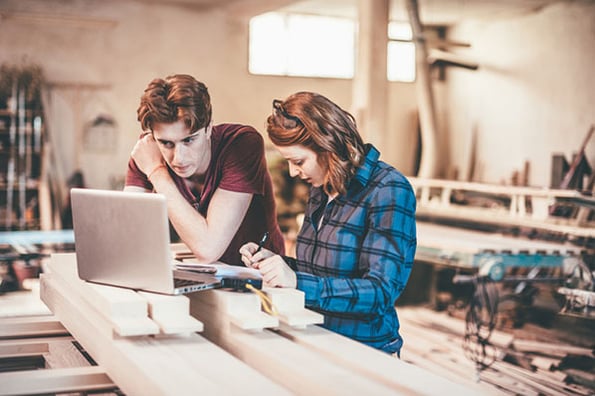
column 186, row 154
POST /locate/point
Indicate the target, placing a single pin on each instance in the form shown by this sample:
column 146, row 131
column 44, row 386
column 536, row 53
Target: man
column 219, row 191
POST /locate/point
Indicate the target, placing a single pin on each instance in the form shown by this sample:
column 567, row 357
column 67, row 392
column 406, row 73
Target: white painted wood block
column 171, row 313
column 240, row 308
column 289, row 304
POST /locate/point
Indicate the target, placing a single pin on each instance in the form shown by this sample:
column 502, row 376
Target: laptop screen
column 122, row 238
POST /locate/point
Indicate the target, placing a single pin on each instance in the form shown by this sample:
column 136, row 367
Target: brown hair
column 313, row 121
column 177, row 97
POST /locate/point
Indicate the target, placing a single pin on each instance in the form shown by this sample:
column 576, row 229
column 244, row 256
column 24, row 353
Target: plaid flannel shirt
column 354, row 267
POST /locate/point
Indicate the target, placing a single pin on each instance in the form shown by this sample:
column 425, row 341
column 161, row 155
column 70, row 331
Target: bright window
column 286, row 44
column 401, row 53
column 302, row 45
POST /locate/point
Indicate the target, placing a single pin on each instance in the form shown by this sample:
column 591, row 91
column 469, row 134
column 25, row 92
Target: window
column 400, row 53
column 286, row 44
column 302, row 45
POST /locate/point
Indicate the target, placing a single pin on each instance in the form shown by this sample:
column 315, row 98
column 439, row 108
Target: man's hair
column 177, row 97
column 313, row 121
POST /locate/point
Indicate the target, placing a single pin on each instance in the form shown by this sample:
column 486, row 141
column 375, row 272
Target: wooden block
column 63, row 353
column 154, row 366
column 289, row 304
column 33, row 382
column 171, row 313
column 241, row 309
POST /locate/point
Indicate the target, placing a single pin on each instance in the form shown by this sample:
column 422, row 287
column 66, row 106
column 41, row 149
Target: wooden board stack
column 148, row 344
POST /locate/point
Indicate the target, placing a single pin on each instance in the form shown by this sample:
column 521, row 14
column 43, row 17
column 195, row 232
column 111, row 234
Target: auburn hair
column 313, row 121
column 177, row 97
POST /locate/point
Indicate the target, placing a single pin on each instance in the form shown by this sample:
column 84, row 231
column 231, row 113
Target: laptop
column 122, row 239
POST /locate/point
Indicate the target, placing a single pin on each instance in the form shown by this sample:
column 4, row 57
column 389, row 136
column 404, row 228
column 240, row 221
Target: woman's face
column 303, row 162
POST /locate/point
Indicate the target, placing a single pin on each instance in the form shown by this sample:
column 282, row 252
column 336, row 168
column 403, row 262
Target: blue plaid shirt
column 354, row 267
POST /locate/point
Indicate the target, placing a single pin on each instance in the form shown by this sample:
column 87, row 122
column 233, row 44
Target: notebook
column 122, row 239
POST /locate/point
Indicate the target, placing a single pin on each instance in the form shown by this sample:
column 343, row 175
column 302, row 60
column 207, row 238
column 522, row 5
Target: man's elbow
column 206, row 255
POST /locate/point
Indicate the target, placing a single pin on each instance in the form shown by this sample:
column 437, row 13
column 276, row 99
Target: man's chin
column 185, row 173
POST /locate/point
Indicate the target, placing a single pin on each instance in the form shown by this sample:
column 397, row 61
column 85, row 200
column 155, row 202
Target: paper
column 219, row 269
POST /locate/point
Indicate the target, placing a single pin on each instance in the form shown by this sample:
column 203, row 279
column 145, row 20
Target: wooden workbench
column 227, row 346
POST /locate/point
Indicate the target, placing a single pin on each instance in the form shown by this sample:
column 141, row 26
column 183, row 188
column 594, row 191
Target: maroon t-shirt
column 237, row 164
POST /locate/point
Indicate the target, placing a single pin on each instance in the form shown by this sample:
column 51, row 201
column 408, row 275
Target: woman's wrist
column 161, row 165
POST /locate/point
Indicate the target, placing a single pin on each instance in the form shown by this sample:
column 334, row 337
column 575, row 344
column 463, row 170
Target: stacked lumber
column 158, row 362
column 150, row 344
column 434, row 340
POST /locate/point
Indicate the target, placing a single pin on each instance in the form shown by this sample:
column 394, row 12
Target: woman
column 356, row 246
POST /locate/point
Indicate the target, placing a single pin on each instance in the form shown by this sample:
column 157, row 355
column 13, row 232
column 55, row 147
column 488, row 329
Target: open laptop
column 122, row 239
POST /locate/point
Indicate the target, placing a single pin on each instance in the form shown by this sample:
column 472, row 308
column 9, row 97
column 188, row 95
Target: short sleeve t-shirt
column 237, row 164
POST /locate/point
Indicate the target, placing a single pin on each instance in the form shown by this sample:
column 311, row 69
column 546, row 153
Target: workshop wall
column 533, row 96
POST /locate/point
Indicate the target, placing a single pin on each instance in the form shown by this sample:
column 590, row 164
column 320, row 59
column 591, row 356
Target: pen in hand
column 263, row 240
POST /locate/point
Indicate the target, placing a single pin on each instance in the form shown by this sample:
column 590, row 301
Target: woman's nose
column 293, row 171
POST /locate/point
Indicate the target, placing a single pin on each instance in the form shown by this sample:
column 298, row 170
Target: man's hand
column 146, row 154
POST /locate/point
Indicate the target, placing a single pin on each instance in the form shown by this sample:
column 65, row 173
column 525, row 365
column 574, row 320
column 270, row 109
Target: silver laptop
column 122, row 239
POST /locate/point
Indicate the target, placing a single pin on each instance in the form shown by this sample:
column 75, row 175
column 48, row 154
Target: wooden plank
column 553, row 349
column 34, row 326
column 57, row 352
column 16, row 348
column 23, row 303
column 525, row 377
column 33, row 382
column 399, row 375
column 544, row 363
column 126, row 311
column 444, row 323
column 301, row 370
column 148, row 365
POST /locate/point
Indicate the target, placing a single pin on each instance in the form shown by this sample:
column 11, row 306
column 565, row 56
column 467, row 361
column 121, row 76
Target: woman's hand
column 251, row 256
column 274, row 270
column 146, row 154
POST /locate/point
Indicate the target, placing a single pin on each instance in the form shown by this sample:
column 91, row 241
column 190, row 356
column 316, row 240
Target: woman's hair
column 313, row 121
column 177, row 97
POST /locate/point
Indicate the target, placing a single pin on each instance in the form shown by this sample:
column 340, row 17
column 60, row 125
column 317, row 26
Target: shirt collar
column 360, row 179
column 364, row 172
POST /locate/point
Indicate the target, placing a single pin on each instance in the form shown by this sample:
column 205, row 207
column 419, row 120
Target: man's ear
column 209, row 130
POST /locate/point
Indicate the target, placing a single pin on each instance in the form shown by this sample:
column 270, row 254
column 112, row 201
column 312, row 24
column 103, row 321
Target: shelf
column 10, row 113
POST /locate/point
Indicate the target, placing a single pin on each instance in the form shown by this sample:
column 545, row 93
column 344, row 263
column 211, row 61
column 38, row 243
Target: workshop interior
column 487, row 108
